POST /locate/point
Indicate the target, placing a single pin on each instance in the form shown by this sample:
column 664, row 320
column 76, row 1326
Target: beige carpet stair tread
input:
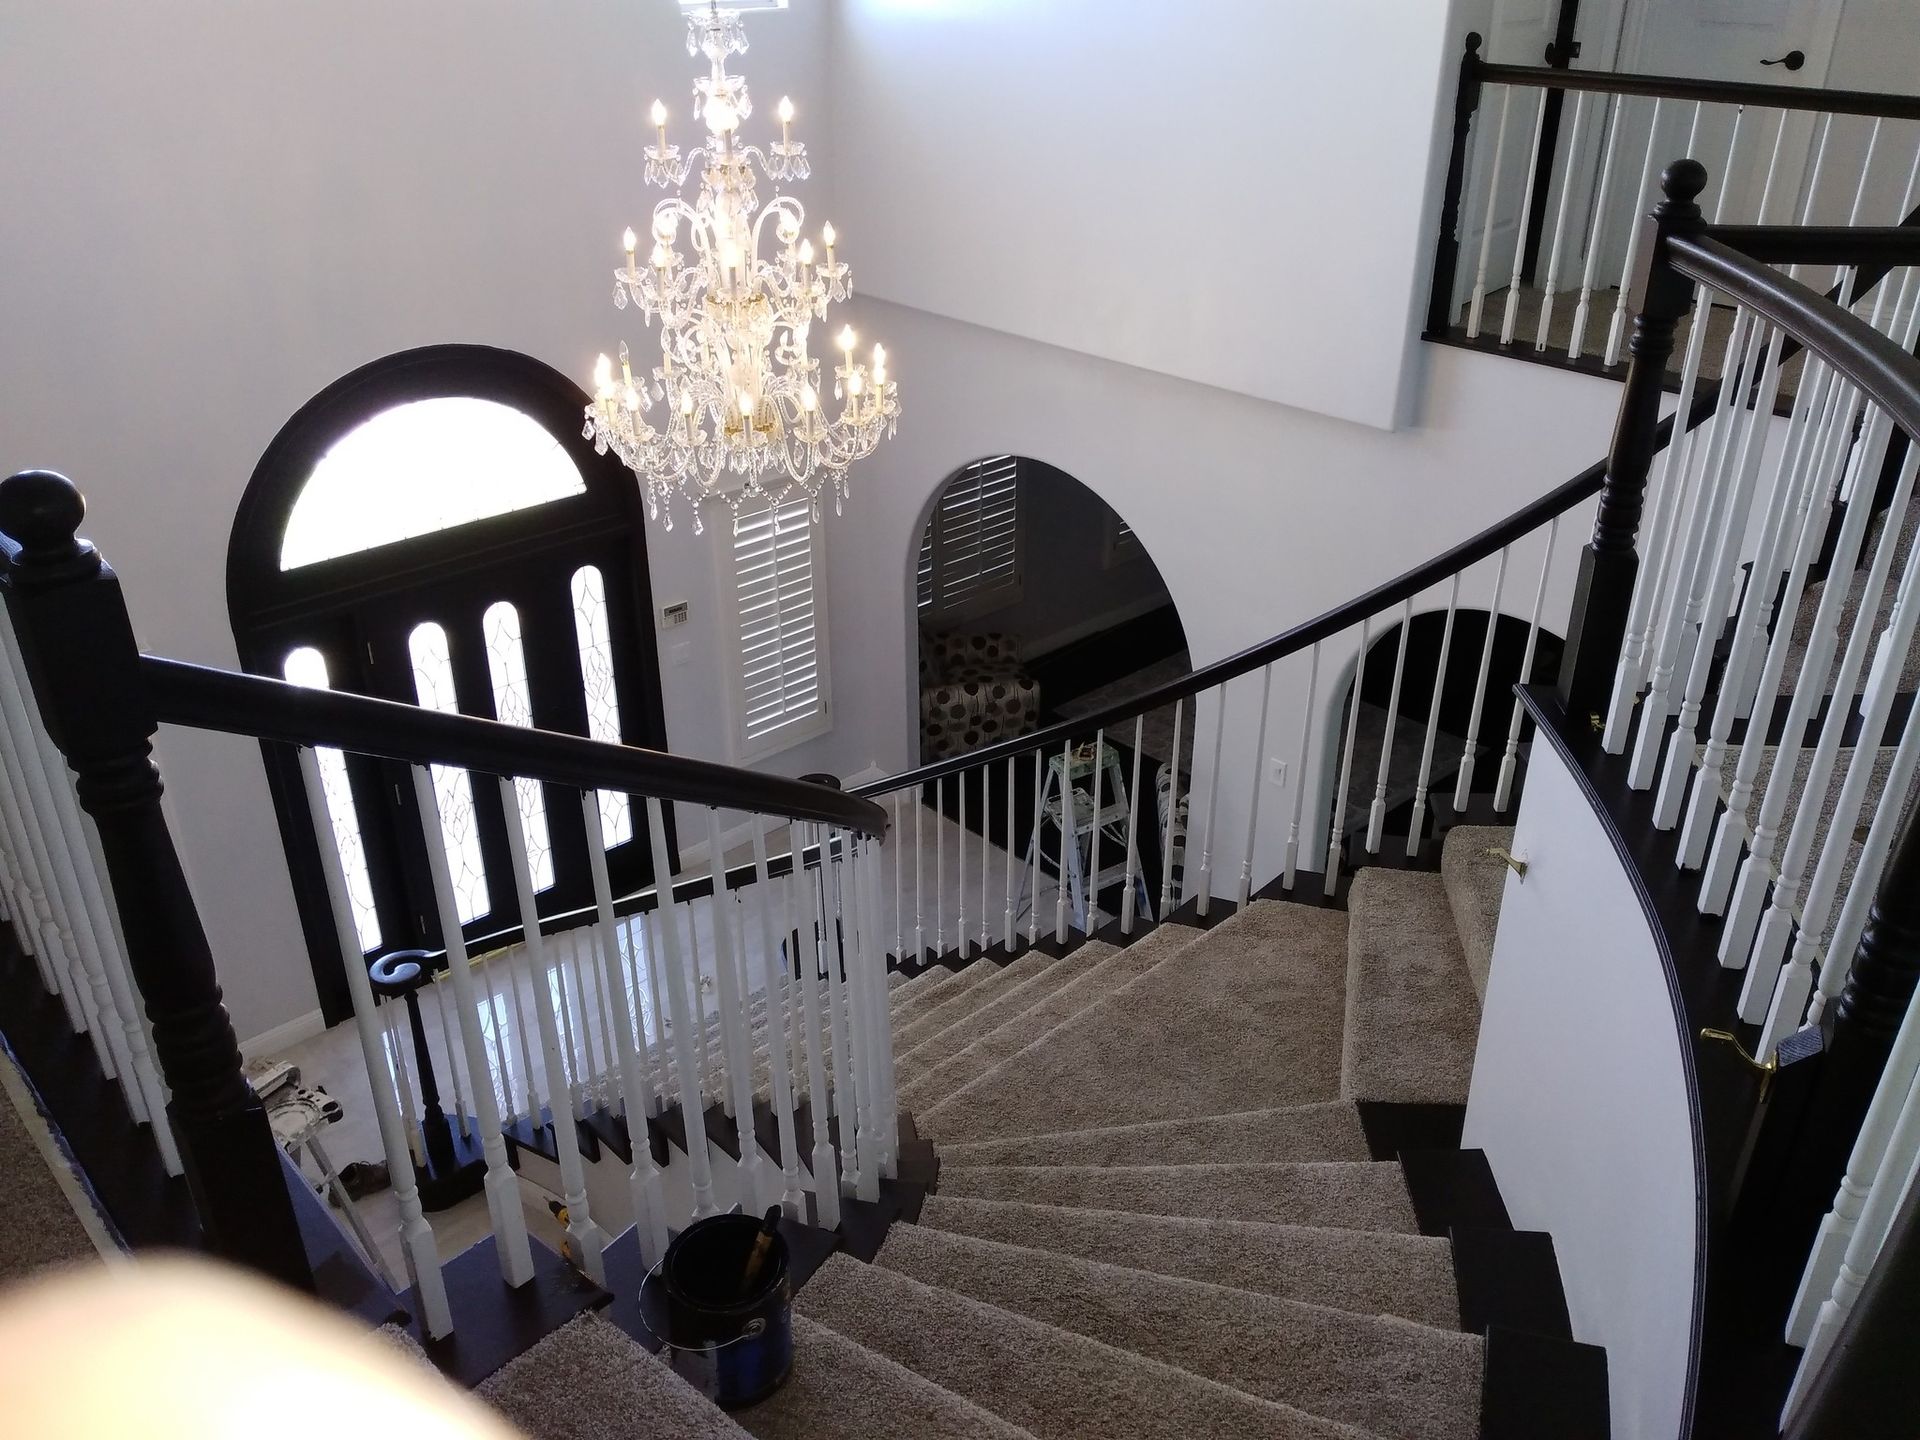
column 1013, row 1005
column 897, row 978
column 957, row 1009
column 1476, row 882
column 1412, row 1019
column 1393, row 1377
column 841, row 1390
column 1329, row 1130
column 1345, row 1194
column 1101, row 966
column 934, row 977
column 1245, row 1017
column 907, row 1009
column 1367, row 1272
column 1055, row 1384
column 589, row 1381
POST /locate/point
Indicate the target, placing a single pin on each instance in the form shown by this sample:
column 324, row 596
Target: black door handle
column 1793, row 60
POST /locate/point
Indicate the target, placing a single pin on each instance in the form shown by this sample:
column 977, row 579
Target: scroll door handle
column 1793, row 60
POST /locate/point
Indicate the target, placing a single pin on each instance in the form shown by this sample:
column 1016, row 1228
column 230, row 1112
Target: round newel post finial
column 1683, row 181
column 42, row 510
column 1473, row 42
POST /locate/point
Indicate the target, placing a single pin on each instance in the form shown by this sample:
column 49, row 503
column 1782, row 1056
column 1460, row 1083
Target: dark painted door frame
column 358, row 610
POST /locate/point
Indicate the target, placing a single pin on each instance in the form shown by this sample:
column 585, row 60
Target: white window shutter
column 970, row 554
column 780, row 622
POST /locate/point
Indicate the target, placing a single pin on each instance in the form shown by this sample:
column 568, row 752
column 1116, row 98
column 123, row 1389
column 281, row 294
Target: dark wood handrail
column 1823, row 244
column 268, row 709
column 1861, row 354
column 1724, row 92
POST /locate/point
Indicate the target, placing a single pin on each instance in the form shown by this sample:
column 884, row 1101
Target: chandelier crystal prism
column 739, row 391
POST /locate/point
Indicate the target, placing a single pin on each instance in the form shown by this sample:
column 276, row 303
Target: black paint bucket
column 734, row 1348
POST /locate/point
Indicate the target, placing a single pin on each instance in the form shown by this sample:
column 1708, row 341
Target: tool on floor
column 762, row 1243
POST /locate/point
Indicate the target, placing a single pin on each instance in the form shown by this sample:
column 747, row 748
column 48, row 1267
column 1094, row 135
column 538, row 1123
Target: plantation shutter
column 971, row 550
column 779, row 625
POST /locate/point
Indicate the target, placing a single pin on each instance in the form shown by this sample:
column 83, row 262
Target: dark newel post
column 1866, row 1388
column 1603, row 592
column 1446, row 253
column 80, row 655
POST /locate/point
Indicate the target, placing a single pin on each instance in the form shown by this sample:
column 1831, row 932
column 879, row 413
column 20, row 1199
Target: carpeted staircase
column 1158, row 1211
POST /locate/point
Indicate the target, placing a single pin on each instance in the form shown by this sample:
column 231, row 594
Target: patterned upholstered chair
column 973, row 692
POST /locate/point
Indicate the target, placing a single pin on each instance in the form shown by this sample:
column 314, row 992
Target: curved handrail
column 1887, row 373
column 268, row 709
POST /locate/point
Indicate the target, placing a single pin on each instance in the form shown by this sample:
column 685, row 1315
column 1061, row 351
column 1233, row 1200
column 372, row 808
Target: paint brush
column 762, row 1243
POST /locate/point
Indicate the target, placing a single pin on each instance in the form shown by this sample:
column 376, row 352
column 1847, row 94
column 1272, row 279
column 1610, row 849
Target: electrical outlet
column 672, row 615
column 1277, row 772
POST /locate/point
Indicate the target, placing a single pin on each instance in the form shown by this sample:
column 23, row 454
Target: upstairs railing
column 1540, row 218
column 1775, row 729
column 605, row 1022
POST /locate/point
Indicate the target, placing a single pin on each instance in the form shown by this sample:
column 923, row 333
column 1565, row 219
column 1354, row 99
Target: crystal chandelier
column 739, row 390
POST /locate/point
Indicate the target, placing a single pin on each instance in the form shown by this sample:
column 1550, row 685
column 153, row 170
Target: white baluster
column 1642, row 197
column 416, row 1235
column 1685, row 610
column 655, row 962
column 864, row 1043
column 886, row 1109
column 1479, row 299
column 1503, row 790
column 939, row 866
column 839, row 1041
column 1377, row 812
column 456, row 1071
column 127, row 1003
column 501, row 1188
column 1734, row 521
column 1525, row 226
column 1007, row 923
column 1463, row 785
column 1757, row 871
column 34, row 920
column 793, row 1196
column 1300, row 771
column 1423, row 783
column 680, row 1019
column 1090, row 917
column 643, row 1178
column 1245, row 892
column 502, row 1067
column 565, row 1008
column 1787, row 504
column 986, row 852
column 1128, row 900
column 826, row 1180
column 1173, row 815
column 24, row 897
column 895, row 843
column 1869, row 1153
column 400, row 1061
column 588, row 1239
column 1213, row 795
column 1033, row 906
column 1653, row 578
column 728, row 943
column 1560, row 222
column 919, row 889
column 1770, row 945
column 67, row 933
column 960, row 925
column 1773, row 169
column 1896, row 1176
column 1068, row 823
column 1611, row 124
column 1731, row 830
column 1337, row 839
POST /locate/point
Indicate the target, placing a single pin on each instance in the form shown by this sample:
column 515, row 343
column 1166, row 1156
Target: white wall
column 1232, row 192
column 1580, row 1099
column 214, row 208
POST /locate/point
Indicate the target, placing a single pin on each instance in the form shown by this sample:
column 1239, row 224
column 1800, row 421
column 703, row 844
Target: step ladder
column 1067, row 802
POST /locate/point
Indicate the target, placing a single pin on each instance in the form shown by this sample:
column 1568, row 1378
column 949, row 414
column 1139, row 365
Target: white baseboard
column 271, row 1042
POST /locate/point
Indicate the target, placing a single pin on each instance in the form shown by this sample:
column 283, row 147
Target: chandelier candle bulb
column 632, row 243
column 660, row 124
column 786, row 121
